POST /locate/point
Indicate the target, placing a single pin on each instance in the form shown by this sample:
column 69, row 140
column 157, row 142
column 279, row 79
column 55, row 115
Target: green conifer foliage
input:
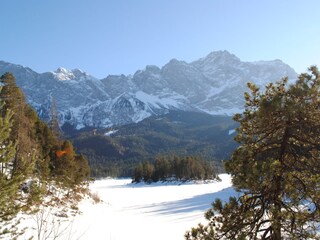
column 34, row 164
column 82, row 170
column 179, row 168
column 147, row 171
column 138, row 173
column 162, row 169
column 276, row 168
column 9, row 182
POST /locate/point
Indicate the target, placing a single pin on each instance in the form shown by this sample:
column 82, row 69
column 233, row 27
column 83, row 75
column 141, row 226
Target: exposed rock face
column 214, row 84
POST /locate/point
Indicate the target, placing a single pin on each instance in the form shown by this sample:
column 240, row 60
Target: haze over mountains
column 214, row 84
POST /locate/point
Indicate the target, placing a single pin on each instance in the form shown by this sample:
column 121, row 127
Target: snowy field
column 140, row 211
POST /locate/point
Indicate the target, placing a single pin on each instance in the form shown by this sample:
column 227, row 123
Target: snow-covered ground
column 140, row 211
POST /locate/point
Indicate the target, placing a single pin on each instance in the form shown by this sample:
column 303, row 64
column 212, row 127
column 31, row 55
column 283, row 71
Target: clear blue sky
column 121, row 36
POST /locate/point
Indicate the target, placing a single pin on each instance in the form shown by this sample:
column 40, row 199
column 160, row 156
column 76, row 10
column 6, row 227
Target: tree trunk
column 276, row 224
column 277, row 199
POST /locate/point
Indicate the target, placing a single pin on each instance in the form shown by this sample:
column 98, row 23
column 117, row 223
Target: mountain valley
column 179, row 109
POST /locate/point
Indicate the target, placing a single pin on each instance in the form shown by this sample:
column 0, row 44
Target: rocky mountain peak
column 214, row 84
column 153, row 69
column 63, row 74
column 219, row 57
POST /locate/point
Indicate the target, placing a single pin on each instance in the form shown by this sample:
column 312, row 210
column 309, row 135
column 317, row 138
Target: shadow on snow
column 199, row 203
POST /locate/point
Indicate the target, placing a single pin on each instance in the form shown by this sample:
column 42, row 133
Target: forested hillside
column 34, row 163
column 115, row 151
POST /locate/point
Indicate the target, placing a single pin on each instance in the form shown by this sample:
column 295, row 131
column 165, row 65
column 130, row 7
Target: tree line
column 176, row 168
column 34, row 161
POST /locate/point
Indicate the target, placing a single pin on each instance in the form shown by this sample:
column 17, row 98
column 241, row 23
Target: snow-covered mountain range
column 214, row 84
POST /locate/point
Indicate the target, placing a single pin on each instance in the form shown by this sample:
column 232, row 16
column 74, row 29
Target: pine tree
column 64, row 164
column 21, row 123
column 148, row 170
column 82, row 170
column 161, row 169
column 54, row 119
column 276, row 168
column 177, row 168
column 138, row 173
column 68, row 168
column 9, row 182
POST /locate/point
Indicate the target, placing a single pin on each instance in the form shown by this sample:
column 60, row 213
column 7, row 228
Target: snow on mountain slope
column 214, row 84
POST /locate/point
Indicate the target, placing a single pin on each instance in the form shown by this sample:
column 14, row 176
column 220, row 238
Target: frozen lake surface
column 160, row 211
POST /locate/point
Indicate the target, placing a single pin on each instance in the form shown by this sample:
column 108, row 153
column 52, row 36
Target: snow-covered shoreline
column 140, row 211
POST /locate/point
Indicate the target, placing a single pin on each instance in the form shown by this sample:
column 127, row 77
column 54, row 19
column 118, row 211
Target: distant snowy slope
column 214, row 84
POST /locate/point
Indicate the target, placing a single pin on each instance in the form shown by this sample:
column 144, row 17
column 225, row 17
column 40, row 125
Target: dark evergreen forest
column 35, row 164
column 175, row 169
column 176, row 133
